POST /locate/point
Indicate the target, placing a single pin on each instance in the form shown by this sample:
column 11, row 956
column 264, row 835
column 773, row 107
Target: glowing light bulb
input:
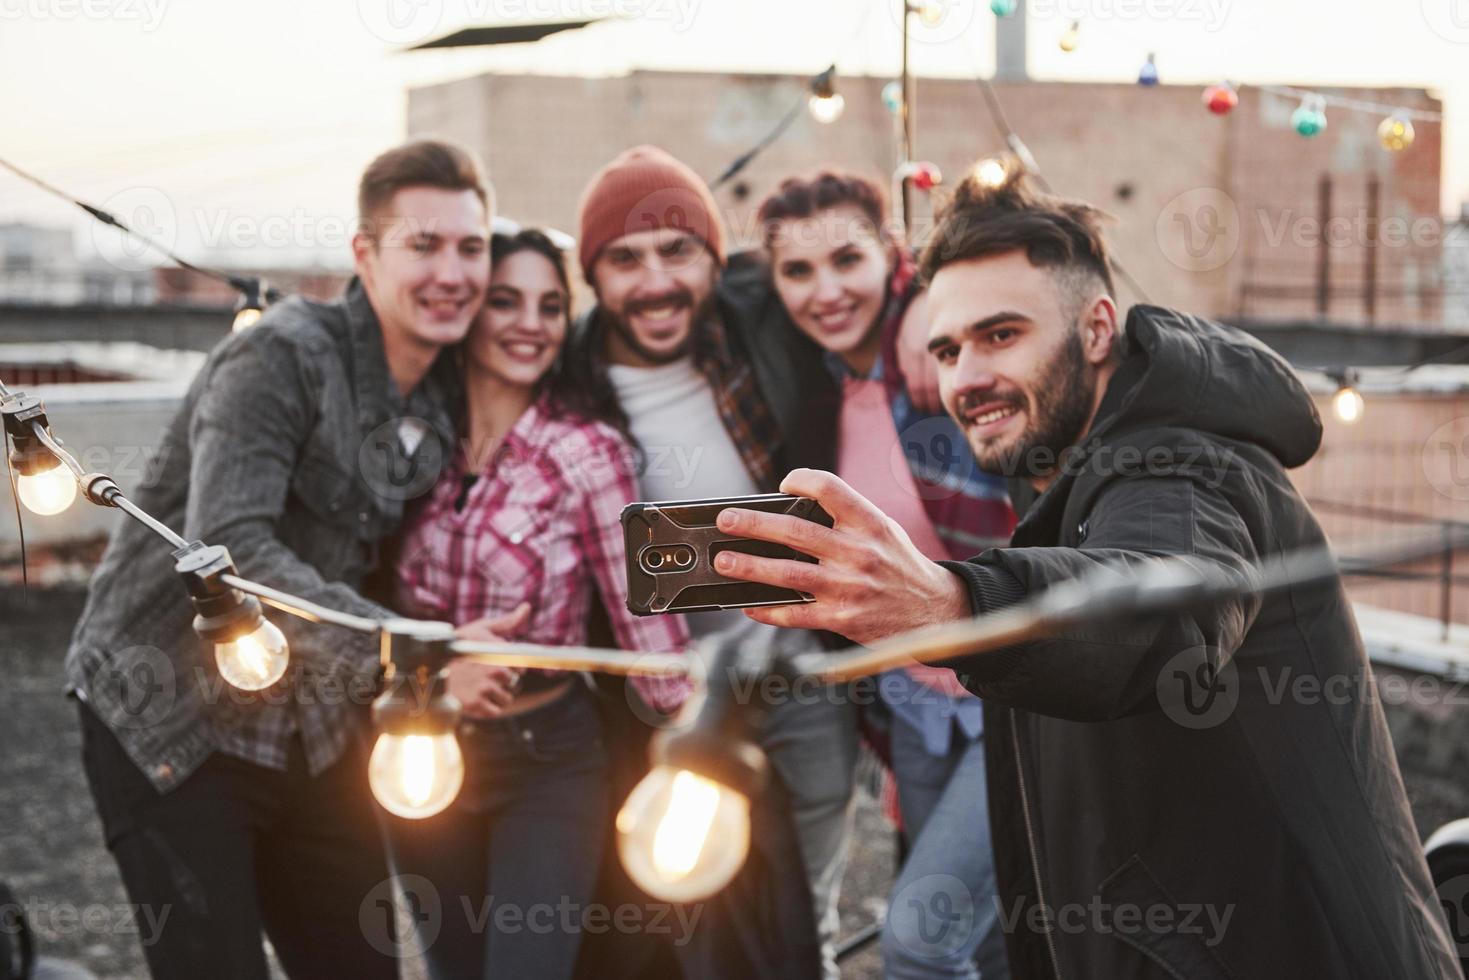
column 931, row 12
column 416, row 776
column 1309, row 119
column 246, row 318
column 47, row 492
column 1072, row 38
column 256, row 660
column 1396, row 134
column 991, row 173
column 827, row 108
column 683, row 837
column 1348, row 404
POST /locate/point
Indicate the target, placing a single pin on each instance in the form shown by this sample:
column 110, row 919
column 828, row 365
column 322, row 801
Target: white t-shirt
column 687, row 455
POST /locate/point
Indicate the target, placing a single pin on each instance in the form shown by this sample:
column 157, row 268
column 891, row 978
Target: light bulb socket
column 824, row 86
column 255, row 293
column 720, row 744
column 416, row 704
column 22, row 413
column 222, row 613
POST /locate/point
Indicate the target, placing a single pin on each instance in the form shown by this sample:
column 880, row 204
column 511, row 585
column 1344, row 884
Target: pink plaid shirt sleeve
column 540, row 525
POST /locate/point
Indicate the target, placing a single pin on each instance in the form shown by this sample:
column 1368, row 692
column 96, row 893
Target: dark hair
column 801, row 197
column 573, row 388
column 421, row 163
column 989, row 215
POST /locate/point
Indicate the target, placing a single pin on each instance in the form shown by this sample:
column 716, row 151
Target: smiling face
column 518, row 334
column 654, row 286
column 1022, row 360
column 831, row 271
column 425, row 264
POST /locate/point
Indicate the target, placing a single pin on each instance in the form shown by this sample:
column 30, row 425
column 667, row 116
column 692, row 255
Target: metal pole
column 1369, row 274
column 1323, row 251
column 907, row 117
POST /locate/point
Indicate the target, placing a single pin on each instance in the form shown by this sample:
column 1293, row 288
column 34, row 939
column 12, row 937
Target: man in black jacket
column 1167, row 798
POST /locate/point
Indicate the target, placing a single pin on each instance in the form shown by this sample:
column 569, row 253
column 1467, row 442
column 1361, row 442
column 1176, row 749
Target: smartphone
column 671, row 546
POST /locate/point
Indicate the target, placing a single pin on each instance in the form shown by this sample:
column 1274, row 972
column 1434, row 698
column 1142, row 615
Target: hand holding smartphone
column 671, row 546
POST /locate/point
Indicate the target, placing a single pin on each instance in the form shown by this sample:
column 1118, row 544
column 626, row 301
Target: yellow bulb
column 991, row 172
column 827, row 109
column 931, row 12
column 246, row 318
column 48, row 492
column 1348, row 405
column 1071, row 39
column 256, row 660
column 683, row 837
column 416, row 776
column 1396, row 134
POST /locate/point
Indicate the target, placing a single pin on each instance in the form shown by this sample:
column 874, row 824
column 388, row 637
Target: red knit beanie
column 643, row 189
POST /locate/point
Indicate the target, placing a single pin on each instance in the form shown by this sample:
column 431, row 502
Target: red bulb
column 1220, row 99
column 926, row 176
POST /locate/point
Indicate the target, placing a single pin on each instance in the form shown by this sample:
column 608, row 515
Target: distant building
column 1456, row 273
column 1229, row 216
column 40, row 266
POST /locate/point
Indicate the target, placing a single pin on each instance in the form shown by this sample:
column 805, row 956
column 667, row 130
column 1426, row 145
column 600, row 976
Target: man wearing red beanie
column 711, row 387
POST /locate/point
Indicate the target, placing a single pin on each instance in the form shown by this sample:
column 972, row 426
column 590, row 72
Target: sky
column 242, row 123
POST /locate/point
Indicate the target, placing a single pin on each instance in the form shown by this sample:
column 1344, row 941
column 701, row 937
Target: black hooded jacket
column 1213, row 795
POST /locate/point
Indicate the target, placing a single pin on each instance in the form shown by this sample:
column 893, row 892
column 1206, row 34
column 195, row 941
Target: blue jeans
column 514, row 860
column 943, row 919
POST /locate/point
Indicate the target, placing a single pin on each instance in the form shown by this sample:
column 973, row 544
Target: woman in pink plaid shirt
column 523, row 525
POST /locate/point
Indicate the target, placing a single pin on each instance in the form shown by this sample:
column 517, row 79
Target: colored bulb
column 48, row 492
column 1148, row 75
column 932, row 12
column 1004, row 8
column 892, row 97
column 1221, row 99
column 683, row 837
column 256, row 660
column 1309, row 119
column 416, row 776
column 1071, row 38
column 1395, row 133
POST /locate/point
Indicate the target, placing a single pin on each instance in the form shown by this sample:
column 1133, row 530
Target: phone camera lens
column 683, row 558
column 653, row 559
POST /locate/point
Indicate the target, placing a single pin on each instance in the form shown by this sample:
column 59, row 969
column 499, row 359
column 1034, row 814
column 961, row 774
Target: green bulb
column 1003, row 8
column 1307, row 121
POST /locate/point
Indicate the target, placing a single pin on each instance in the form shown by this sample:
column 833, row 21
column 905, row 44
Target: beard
column 1063, row 395
column 618, row 321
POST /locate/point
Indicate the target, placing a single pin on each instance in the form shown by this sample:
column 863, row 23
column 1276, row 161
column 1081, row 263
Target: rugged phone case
column 671, row 546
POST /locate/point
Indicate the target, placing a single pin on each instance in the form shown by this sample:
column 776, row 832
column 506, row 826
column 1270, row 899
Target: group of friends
column 451, row 440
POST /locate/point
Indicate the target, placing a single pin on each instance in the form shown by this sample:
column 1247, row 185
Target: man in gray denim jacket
column 297, row 448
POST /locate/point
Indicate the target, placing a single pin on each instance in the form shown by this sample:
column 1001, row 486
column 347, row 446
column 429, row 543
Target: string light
column 1147, row 76
column 1071, row 38
column 991, row 172
column 1004, row 8
column 416, row 768
column 249, row 650
column 930, row 12
column 892, row 97
column 252, row 303
column 826, row 103
column 924, row 175
column 44, row 484
column 1309, row 119
column 1221, row 99
column 1347, row 403
column 1395, row 133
